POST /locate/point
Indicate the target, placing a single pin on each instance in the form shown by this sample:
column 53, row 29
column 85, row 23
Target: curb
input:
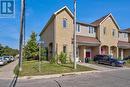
column 67, row 74
column 57, row 75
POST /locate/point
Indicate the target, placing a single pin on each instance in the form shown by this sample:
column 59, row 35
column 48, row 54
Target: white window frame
column 78, row 28
column 125, row 35
column 91, row 30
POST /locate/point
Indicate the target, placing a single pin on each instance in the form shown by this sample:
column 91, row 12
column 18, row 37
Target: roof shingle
column 97, row 22
column 85, row 39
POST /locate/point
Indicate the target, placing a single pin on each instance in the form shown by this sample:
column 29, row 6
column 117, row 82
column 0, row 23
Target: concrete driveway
column 7, row 70
column 101, row 67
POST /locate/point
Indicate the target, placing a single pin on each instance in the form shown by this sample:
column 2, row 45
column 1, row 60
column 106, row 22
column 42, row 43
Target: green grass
column 30, row 68
column 127, row 63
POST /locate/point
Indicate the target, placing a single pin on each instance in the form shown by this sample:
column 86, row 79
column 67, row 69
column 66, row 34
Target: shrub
column 63, row 58
column 119, row 58
column 53, row 60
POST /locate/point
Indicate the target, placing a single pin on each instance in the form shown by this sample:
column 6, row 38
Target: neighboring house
column 100, row 37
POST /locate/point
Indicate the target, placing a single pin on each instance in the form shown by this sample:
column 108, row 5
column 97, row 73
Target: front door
column 88, row 53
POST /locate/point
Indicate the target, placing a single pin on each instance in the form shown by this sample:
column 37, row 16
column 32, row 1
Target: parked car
column 127, row 58
column 109, row 60
column 97, row 57
column 7, row 58
column 2, row 61
column 12, row 58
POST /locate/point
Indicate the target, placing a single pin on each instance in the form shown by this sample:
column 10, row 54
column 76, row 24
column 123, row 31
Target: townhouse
column 103, row 36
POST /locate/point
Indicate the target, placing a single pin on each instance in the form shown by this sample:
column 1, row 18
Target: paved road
column 118, row 78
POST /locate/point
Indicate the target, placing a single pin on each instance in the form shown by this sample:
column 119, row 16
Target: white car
column 12, row 58
column 2, row 61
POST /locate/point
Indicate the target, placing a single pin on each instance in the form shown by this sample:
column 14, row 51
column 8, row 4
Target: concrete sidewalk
column 7, row 71
column 94, row 66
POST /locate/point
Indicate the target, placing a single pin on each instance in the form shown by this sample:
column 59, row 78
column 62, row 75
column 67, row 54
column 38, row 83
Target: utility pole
column 75, row 65
column 24, row 27
column 21, row 34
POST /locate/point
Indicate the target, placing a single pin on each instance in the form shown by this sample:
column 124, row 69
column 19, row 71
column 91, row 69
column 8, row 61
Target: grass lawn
column 127, row 63
column 30, row 68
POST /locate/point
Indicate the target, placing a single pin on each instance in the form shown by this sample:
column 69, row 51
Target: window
column 78, row 28
column 104, row 30
column 118, row 34
column 125, row 35
column 91, row 30
column 113, row 32
column 64, row 48
column 64, row 23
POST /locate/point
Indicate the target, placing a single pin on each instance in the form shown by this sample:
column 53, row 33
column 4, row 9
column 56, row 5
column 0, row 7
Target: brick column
column 109, row 50
column 99, row 49
column 122, row 54
column 117, row 55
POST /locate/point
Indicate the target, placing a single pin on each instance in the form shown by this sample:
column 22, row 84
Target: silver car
column 2, row 61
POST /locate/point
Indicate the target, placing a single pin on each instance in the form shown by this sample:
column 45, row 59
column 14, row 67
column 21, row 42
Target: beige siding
column 122, row 38
column 48, row 35
column 64, row 35
column 129, row 38
column 108, row 39
column 98, row 33
column 84, row 31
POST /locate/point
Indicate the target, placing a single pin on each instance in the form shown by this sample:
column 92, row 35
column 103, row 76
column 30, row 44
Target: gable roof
column 102, row 19
column 64, row 8
column 53, row 16
column 98, row 21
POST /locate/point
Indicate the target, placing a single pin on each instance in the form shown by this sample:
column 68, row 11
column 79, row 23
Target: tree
column 1, row 50
column 31, row 49
column 5, row 51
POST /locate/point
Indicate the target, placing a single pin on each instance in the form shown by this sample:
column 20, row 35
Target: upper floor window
column 91, row 30
column 113, row 32
column 118, row 34
column 104, row 30
column 64, row 23
column 78, row 28
column 125, row 35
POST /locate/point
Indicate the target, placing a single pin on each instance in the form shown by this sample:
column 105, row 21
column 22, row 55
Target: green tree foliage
column 5, row 50
column 63, row 58
column 31, row 49
column 43, row 52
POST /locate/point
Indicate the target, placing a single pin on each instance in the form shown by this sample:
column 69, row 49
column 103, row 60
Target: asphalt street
column 116, row 78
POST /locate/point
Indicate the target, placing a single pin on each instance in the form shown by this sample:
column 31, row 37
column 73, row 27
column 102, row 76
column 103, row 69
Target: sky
column 38, row 13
